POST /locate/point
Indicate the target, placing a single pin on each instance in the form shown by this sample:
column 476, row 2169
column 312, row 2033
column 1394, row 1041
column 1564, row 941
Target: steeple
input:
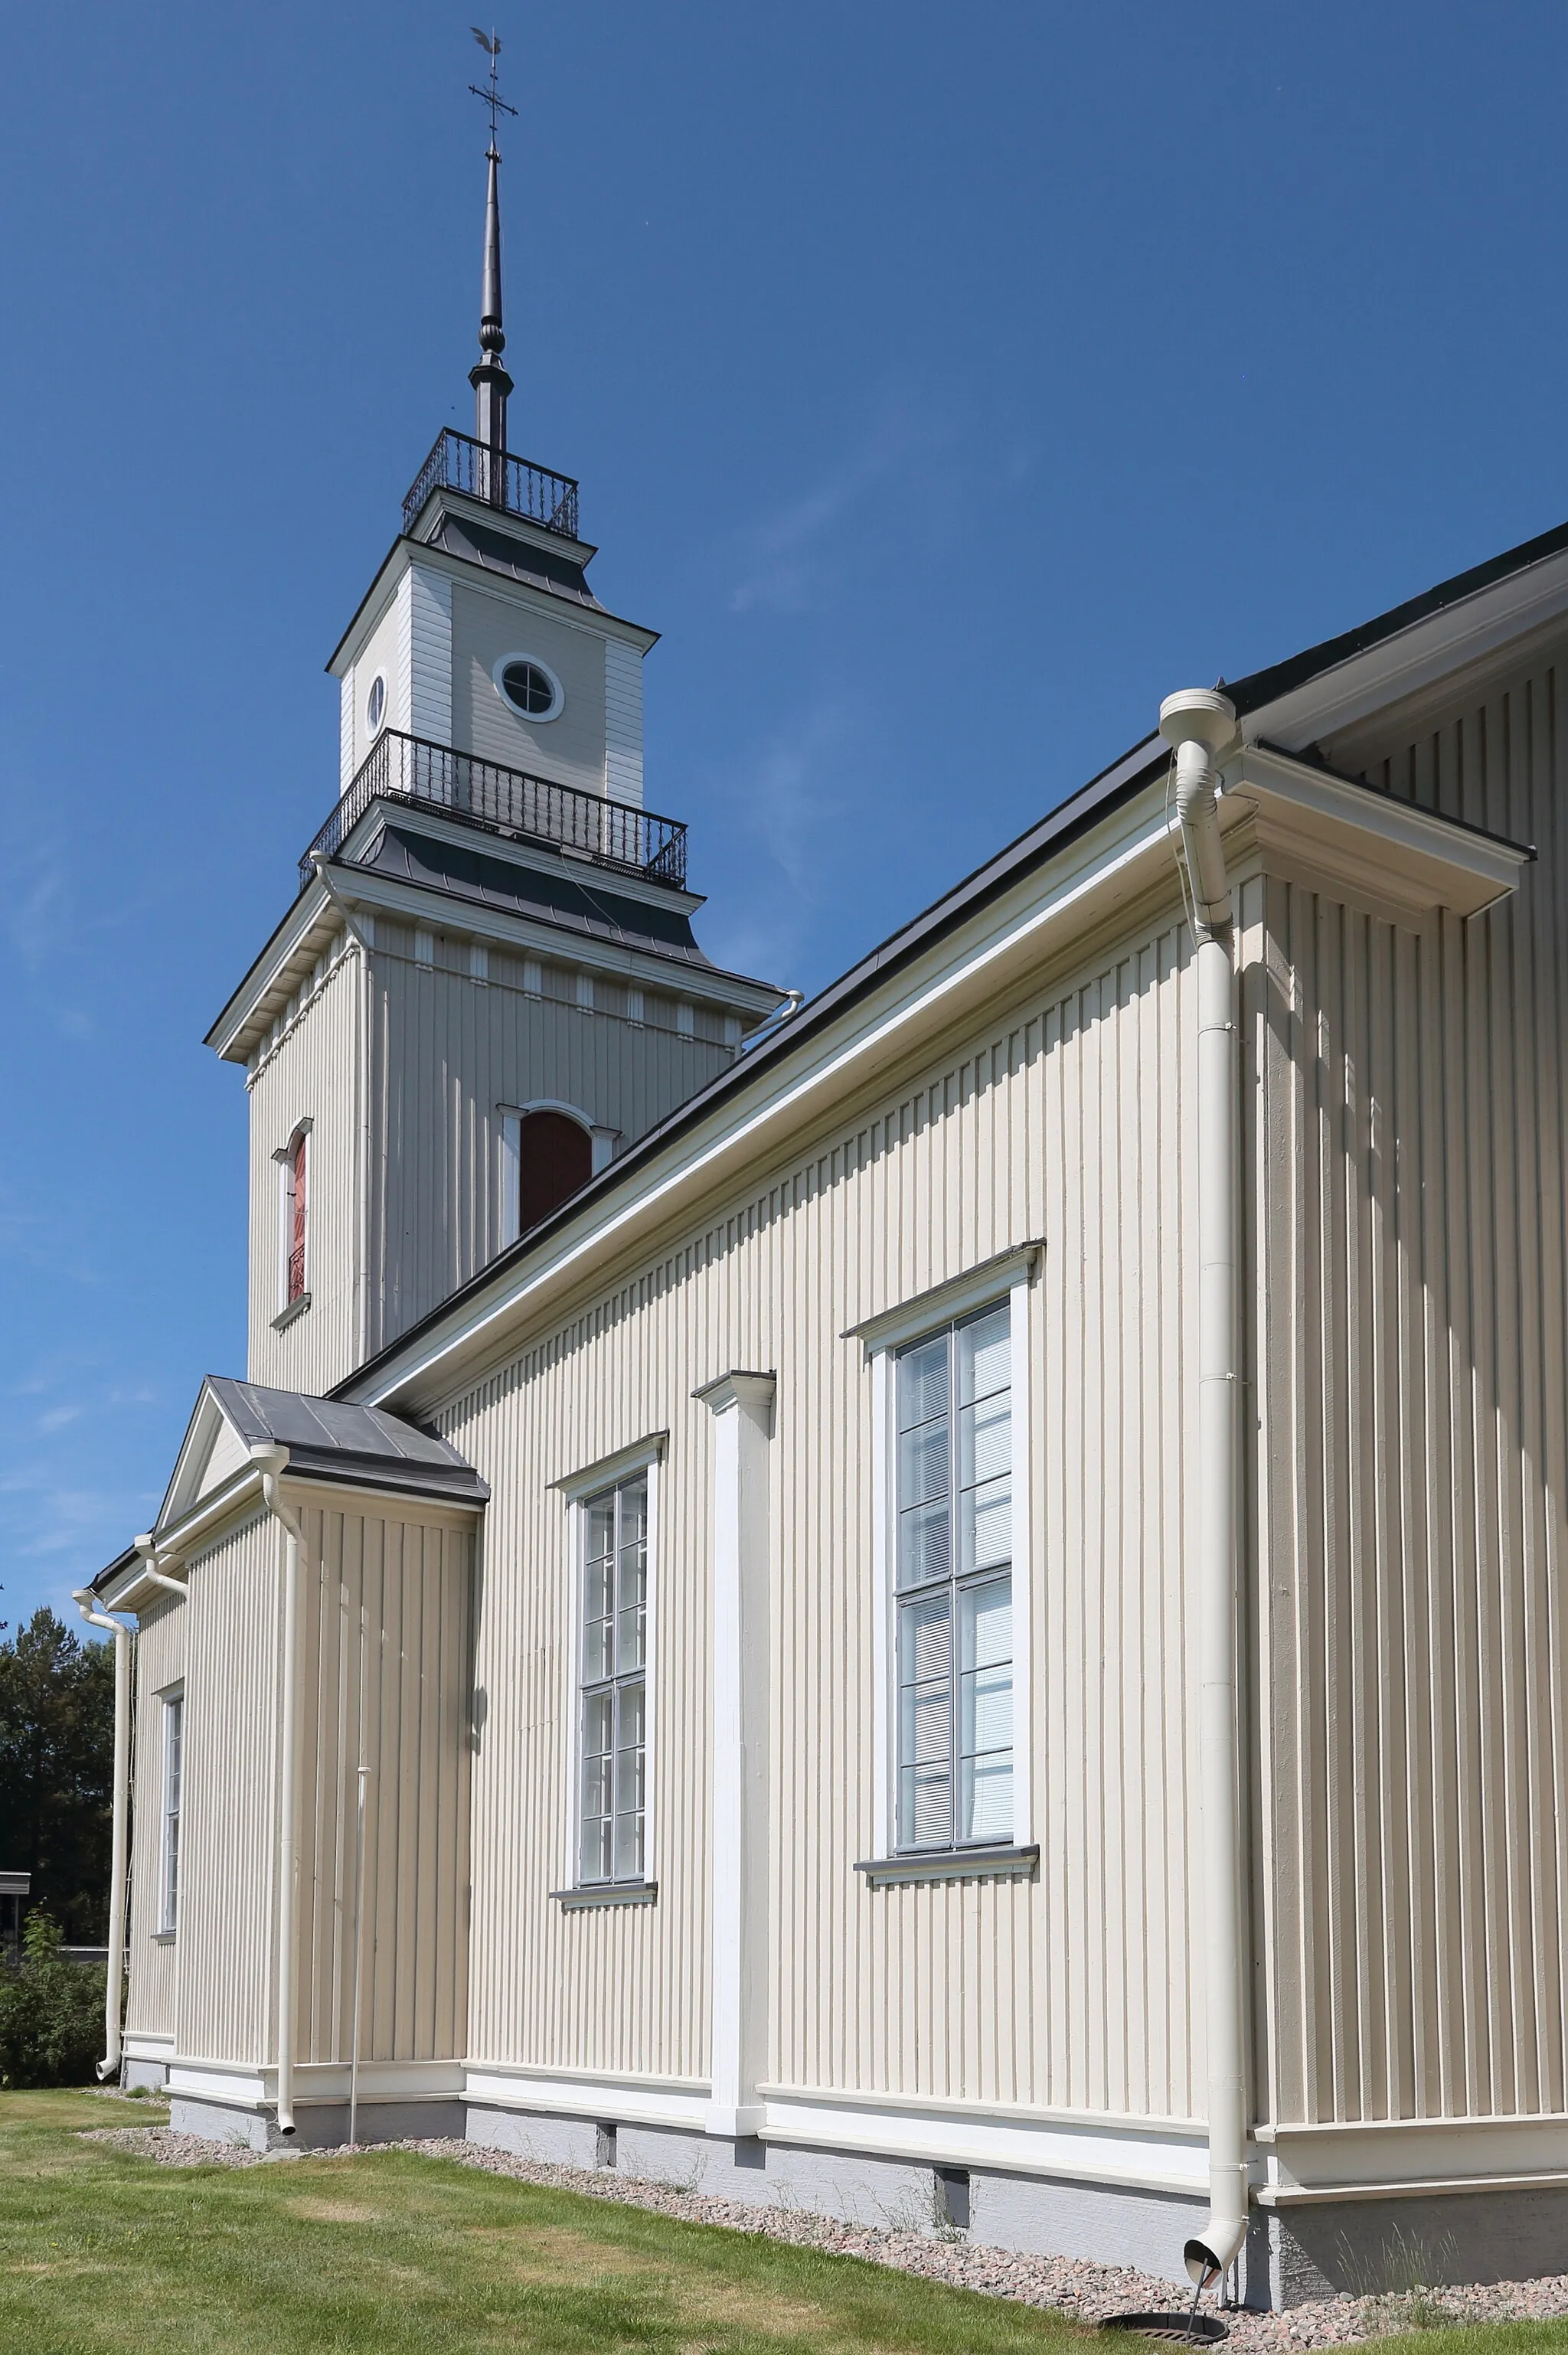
column 488, row 376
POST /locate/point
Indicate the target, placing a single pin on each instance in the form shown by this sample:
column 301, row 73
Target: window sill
column 286, row 1315
column 164, row 1937
column 951, row 1864
column 610, row 1892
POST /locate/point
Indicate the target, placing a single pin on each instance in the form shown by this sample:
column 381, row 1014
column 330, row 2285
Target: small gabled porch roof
column 327, row 1441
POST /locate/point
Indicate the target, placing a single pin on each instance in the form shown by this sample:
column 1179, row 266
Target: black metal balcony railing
column 504, row 800
column 458, row 463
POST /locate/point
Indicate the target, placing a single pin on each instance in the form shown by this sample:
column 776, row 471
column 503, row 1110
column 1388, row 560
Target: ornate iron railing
column 458, row 463
column 504, row 800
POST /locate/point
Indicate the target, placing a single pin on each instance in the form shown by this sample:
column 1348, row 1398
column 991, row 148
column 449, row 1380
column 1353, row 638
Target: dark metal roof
column 1039, row 843
column 548, row 894
column 518, row 559
column 1263, row 687
column 327, row 1439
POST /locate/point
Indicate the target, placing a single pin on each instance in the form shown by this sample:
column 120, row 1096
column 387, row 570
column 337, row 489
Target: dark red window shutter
column 297, row 1203
column 555, row 1157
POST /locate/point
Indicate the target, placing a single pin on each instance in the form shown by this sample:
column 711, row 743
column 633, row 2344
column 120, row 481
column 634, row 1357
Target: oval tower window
column 533, row 692
column 555, row 1157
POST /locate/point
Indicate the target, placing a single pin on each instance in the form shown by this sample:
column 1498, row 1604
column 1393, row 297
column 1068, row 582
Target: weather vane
column 491, row 45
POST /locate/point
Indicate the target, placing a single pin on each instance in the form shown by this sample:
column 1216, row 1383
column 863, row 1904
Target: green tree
column 56, row 1762
column 51, row 2013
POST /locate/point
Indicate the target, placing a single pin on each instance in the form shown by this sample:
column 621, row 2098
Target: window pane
column 986, row 1527
column 985, row 1440
column 923, row 1464
column 926, row 1647
column 985, row 1710
column 596, row 1723
column 635, row 1512
column 925, row 1544
column 632, row 1618
column 984, row 1356
column 600, row 1518
column 596, row 1864
column 629, row 1847
column 986, row 1798
column 923, row 1384
column 925, row 1807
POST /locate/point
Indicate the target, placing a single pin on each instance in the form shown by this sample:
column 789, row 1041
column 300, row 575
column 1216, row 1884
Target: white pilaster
column 741, row 1405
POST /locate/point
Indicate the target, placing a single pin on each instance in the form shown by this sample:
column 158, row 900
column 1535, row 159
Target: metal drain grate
column 1181, row 2329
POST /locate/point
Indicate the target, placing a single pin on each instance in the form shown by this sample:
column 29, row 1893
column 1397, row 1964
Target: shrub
column 51, row 2013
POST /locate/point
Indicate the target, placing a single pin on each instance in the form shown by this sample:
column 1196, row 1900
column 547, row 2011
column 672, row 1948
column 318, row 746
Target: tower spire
column 488, row 376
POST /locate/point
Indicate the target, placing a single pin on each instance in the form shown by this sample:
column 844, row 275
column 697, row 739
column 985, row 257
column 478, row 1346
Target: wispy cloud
column 785, row 557
column 59, row 1417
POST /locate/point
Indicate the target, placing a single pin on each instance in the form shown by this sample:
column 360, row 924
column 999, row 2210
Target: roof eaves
column 1265, row 686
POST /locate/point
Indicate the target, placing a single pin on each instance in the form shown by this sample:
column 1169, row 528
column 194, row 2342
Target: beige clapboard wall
column 1062, row 1118
column 1411, row 1349
column 385, row 1639
column 313, row 1074
column 448, row 1053
column 403, row 1062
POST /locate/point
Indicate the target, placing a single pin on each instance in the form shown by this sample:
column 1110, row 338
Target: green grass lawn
column 99, row 2251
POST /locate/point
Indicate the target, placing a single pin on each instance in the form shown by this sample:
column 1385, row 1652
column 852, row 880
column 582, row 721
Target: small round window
column 530, row 689
column 376, row 705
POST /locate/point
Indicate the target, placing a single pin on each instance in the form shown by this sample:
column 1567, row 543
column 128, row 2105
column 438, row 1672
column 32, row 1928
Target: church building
column 944, row 1603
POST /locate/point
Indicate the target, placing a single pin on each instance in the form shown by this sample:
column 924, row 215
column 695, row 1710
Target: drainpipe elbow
column 1210, row 2257
column 1200, row 725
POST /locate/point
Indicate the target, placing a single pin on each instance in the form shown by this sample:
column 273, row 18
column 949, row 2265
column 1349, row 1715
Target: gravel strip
column 170, row 2150
column 1081, row 2292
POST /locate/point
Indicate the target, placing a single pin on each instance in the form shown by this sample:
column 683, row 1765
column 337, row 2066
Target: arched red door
column 555, row 1157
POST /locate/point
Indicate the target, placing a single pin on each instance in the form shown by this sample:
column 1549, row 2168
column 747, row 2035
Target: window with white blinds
column 614, row 1762
column 954, row 1609
column 169, row 1858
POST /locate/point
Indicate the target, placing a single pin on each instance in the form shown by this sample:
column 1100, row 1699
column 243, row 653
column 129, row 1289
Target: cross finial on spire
column 491, row 44
column 489, row 378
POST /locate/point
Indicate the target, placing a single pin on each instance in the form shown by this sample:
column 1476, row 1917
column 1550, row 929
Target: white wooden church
column 952, row 1595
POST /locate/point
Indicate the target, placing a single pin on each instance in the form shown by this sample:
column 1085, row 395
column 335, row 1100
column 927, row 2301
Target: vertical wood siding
column 1411, row 1340
column 229, row 1826
column 1063, row 1118
column 160, row 1662
column 385, row 1668
column 448, row 1051
column 311, row 1074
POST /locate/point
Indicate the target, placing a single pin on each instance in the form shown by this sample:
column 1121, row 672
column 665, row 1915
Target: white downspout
column 115, row 1976
column 1202, row 726
column 273, row 1462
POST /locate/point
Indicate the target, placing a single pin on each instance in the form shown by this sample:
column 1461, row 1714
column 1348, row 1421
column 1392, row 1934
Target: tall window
column 294, row 1173
column 955, row 1604
column 169, row 1865
column 612, row 1821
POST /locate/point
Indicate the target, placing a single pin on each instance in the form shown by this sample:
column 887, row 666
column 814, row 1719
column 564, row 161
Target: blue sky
column 947, row 383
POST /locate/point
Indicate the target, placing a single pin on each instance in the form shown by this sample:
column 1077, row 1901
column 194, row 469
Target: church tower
column 488, row 986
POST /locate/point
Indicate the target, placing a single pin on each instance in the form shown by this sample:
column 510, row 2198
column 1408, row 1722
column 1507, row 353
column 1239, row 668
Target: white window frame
column 498, row 670
column 1006, row 1278
column 169, row 1852
column 283, row 1156
column 645, row 1457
